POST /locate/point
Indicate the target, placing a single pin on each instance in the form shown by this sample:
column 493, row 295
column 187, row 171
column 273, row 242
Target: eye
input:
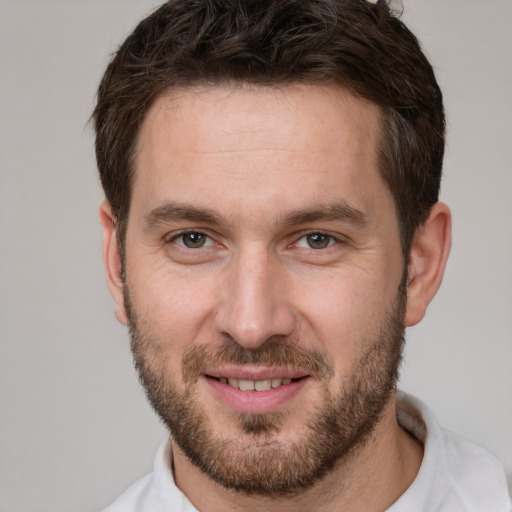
column 193, row 240
column 316, row 241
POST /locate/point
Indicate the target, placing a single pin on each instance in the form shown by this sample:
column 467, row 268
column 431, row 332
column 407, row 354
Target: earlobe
column 112, row 261
column 429, row 253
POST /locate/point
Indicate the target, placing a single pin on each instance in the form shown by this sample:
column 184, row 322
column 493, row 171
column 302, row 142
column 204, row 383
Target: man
column 271, row 226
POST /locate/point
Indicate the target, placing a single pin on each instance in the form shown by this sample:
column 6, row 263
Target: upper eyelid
column 176, row 234
column 294, row 238
column 336, row 236
column 332, row 237
column 183, row 247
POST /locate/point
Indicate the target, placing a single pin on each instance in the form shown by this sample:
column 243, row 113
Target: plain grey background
column 75, row 429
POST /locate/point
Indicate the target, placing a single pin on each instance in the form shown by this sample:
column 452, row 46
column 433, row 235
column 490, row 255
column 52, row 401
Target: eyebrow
column 172, row 212
column 340, row 211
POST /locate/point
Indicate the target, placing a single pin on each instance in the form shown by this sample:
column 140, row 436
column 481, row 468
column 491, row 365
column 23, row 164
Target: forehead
column 233, row 146
column 250, row 115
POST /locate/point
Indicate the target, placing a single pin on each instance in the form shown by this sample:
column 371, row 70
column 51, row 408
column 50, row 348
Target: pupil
column 318, row 241
column 194, row 240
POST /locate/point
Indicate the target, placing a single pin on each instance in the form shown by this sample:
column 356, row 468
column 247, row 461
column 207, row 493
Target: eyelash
column 331, row 240
column 182, row 234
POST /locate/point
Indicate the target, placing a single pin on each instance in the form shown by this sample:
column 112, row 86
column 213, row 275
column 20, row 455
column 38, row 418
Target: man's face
column 264, row 279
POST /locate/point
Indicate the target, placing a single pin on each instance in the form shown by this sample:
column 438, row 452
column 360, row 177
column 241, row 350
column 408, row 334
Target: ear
column 429, row 252
column 112, row 261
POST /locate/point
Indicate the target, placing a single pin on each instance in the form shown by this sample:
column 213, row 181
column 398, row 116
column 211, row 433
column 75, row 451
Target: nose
column 253, row 306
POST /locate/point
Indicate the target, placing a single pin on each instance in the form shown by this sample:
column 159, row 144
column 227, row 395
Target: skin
column 255, row 157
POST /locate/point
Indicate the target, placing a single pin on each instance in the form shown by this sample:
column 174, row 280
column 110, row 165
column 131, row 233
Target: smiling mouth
column 255, row 385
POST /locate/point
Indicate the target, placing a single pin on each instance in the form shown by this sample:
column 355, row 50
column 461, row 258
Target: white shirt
column 455, row 475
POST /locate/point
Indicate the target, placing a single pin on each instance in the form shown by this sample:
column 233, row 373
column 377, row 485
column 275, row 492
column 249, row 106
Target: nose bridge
column 254, row 308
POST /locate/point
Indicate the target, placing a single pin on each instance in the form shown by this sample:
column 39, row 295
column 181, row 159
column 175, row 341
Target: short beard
column 255, row 462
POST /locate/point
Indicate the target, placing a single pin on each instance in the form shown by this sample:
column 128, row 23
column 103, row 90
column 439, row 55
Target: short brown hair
column 358, row 45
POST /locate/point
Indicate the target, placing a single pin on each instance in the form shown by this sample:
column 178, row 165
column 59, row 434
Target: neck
column 371, row 477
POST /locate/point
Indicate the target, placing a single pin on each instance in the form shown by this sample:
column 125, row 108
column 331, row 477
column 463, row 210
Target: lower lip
column 255, row 402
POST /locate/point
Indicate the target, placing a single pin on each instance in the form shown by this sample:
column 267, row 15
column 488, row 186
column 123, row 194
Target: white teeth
column 263, row 385
column 246, row 385
column 254, row 385
column 276, row 382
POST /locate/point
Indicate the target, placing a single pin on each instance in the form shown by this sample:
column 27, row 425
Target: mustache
column 198, row 359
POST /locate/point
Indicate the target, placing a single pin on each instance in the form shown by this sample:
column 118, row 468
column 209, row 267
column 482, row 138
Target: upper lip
column 252, row 372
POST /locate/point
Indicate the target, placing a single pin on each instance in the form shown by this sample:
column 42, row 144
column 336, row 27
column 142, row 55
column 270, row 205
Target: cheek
column 176, row 308
column 344, row 314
